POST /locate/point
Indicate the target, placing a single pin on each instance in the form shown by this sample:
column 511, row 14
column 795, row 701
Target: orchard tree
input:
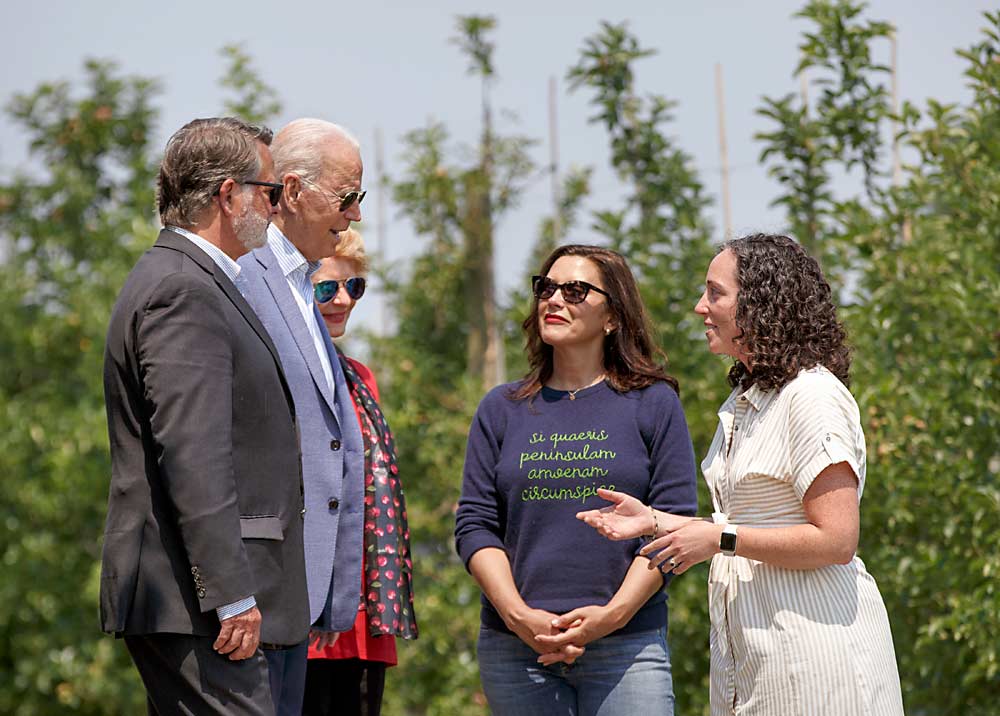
column 445, row 352
column 924, row 276
column 70, row 231
column 663, row 231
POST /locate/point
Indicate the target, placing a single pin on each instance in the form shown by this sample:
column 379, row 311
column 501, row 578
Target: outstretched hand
column 625, row 518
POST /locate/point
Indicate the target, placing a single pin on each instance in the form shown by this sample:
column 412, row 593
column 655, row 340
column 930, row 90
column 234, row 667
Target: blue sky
column 389, row 65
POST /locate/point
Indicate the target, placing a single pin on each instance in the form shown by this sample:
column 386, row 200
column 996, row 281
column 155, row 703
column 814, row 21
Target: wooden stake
column 554, row 164
column 727, row 215
column 382, row 183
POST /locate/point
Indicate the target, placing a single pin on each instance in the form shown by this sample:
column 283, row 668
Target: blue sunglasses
column 326, row 290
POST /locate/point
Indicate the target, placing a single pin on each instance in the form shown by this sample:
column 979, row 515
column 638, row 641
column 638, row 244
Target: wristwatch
column 727, row 541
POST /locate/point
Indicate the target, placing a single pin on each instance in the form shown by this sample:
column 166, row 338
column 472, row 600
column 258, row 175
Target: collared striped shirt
column 786, row 641
column 298, row 272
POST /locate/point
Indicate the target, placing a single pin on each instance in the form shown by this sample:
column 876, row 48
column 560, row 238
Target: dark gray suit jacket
column 205, row 505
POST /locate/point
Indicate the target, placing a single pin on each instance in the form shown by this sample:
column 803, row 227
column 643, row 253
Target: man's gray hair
column 301, row 148
column 199, row 158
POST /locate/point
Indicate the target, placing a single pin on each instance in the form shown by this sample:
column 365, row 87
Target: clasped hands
column 562, row 638
column 684, row 541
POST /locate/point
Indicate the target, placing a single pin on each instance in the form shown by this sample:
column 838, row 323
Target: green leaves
column 916, row 263
column 72, row 234
column 925, row 287
column 255, row 101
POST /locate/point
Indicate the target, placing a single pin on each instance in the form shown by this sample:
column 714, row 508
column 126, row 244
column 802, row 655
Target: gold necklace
column 572, row 393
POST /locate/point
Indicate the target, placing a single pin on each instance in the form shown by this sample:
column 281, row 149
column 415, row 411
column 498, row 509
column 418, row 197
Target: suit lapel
column 277, row 284
column 176, row 242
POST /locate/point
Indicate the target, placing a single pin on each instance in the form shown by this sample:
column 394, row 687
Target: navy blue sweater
column 530, row 466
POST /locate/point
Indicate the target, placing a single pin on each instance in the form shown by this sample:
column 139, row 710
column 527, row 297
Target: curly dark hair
column 785, row 312
column 630, row 355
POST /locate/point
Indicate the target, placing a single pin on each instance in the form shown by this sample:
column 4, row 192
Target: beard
column 251, row 228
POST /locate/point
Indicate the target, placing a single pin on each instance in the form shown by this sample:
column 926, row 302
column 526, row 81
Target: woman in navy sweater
column 595, row 411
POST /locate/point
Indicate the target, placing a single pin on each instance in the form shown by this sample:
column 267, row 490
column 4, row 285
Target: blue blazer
column 332, row 448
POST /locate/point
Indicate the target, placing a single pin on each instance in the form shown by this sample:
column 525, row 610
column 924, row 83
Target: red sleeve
column 367, row 376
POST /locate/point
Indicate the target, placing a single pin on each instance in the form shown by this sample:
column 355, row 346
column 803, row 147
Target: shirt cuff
column 231, row 610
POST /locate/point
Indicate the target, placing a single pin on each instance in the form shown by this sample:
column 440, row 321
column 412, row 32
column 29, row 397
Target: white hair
column 301, row 147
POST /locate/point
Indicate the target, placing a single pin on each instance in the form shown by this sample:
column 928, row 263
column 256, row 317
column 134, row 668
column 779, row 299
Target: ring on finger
column 672, row 562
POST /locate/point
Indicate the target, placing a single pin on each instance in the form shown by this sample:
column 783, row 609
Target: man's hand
column 322, row 639
column 239, row 635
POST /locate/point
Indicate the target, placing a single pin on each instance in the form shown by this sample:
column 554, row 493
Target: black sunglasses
column 274, row 193
column 327, row 290
column 572, row 291
column 346, row 200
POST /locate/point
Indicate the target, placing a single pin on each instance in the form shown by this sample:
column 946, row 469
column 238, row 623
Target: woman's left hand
column 578, row 627
column 680, row 550
column 322, row 639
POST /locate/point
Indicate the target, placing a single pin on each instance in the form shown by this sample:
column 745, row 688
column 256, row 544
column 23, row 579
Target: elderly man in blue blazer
column 319, row 165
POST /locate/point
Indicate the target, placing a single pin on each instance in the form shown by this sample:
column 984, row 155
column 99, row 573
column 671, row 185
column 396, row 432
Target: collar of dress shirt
column 221, row 259
column 757, row 397
column 290, row 259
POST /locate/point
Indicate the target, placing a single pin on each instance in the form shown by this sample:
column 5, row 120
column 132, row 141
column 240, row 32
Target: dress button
column 335, row 445
column 334, row 504
column 201, row 593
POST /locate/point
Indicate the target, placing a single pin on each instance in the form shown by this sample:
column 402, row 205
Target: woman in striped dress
column 798, row 625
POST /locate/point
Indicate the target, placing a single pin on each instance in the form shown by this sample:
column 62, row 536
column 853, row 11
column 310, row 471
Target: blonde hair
column 351, row 247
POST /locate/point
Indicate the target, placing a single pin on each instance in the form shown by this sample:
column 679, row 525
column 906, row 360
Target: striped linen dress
column 792, row 642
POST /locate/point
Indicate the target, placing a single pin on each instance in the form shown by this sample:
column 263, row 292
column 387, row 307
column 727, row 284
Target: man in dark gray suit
column 203, row 552
column 319, row 166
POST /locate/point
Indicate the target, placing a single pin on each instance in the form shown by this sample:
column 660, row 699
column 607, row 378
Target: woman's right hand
column 530, row 622
column 626, row 518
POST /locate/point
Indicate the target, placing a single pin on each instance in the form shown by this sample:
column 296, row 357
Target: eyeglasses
column 346, row 200
column 274, row 193
column 572, row 291
column 327, row 290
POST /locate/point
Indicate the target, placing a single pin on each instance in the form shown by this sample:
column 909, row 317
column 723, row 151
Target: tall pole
column 897, row 166
column 897, row 163
column 380, row 238
column 554, row 164
column 727, row 213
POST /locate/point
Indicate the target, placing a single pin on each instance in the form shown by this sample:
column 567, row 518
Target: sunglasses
column 346, row 200
column 327, row 290
column 572, row 291
column 274, row 193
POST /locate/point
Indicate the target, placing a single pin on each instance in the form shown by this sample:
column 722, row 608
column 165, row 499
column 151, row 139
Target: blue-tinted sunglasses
column 327, row 290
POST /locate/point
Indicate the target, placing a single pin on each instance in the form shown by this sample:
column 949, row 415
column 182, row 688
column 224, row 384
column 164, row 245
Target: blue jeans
column 286, row 670
column 622, row 675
